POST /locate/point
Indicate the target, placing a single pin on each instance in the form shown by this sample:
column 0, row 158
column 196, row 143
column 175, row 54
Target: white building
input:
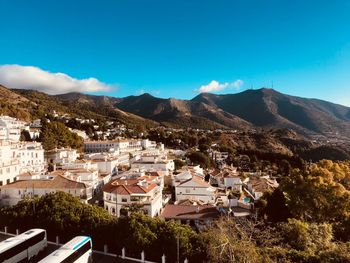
column 10, row 128
column 257, row 186
column 181, row 177
column 60, row 156
column 9, row 171
column 196, row 189
column 20, row 157
column 31, row 156
column 34, row 133
column 36, row 124
column 120, row 145
column 79, row 164
column 144, row 193
column 107, row 162
column 152, row 163
column 227, row 178
column 80, row 133
column 12, row 193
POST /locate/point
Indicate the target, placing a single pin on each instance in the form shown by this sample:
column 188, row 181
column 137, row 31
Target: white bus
column 78, row 250
column 23, row 246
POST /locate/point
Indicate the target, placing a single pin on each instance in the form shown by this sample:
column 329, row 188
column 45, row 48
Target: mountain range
column 250, row 109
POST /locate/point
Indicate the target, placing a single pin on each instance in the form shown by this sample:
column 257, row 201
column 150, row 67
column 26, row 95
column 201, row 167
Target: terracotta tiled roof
column 29, row 174
column 158, row 173
column 190, row 202
column 198, row 180
column 128, row 187
column 263, row 184
column 187, row 212
column 227, row 172
column 59, row 182
column 148, row 178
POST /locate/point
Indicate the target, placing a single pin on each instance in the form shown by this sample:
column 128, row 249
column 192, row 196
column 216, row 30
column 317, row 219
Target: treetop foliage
column 56, row 135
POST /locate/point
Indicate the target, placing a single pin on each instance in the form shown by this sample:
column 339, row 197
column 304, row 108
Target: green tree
column 56, row 135
column 229, row 242
column 309, row 237
column 316, row 198
column 275, row 207
column 25, row 136
column 178, row 164
column 200, row 158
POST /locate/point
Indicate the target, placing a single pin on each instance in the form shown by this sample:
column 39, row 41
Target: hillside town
column 174, row 131
column 125, row 174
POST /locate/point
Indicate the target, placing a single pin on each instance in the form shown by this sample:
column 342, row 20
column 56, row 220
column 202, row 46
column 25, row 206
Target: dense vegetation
column 65, row 216
column 56, row 135
column 263, row 150
column 306, row 220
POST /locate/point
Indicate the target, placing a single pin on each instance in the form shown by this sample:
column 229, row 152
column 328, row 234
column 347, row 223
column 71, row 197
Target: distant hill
column 180, row 112
column 250, row 109
column 29, row 104
column 13, row 104
column 270, row 109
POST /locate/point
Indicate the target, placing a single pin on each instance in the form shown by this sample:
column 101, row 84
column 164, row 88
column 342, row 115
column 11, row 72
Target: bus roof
column 76, row 242
column 66, row 249
column 12, row 241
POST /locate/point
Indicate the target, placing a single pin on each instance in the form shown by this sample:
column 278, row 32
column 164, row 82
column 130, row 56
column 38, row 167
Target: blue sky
column 173, row 48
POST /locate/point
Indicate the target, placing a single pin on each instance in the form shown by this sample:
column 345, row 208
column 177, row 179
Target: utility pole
column 178, row 249
column 33, row 199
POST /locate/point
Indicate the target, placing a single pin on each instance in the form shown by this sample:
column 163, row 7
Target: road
column 98, row 258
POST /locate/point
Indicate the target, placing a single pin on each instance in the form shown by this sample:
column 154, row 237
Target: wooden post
column 163, row 258
column 57, row 240
column 105, row 249
column 5, row 229
column 142, row 256
column 123, row 252
column 17, row 232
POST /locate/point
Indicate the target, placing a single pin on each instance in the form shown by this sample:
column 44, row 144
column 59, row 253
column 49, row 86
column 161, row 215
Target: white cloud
column 29, row 77
column 217, row 86
column 238, row 83
column 140, row 92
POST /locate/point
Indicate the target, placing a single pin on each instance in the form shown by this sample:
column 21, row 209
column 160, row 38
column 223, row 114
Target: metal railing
column 104, row 252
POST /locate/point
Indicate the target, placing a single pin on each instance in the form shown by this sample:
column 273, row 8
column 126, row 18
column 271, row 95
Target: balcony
column 86, row 196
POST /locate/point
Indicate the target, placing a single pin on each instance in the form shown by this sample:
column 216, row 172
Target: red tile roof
column 198, row 180
column 188, row 212
column 58, row 182
column 128, row 187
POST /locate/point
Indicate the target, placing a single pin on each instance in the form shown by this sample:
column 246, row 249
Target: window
column 124, row 200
